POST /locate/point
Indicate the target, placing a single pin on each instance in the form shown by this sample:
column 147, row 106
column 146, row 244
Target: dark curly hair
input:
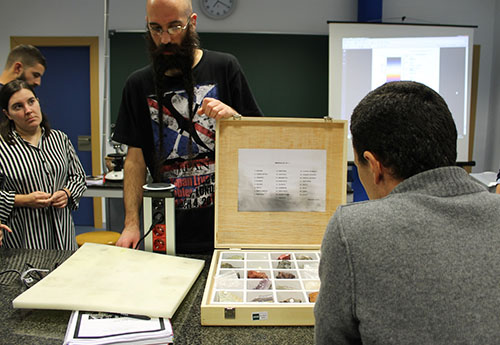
column 407, row 126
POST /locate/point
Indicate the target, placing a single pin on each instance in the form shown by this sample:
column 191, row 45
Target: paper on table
column 487, row 178
column 113, row 279
column 104, row 328
column 94, row 180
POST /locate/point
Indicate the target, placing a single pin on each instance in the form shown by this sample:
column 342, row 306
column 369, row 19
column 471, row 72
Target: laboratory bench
column 31, row 326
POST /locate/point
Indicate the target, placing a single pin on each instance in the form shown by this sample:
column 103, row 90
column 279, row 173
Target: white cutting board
column 106, row 278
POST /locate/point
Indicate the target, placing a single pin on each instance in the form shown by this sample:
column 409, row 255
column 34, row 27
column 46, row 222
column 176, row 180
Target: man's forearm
column 134, row 179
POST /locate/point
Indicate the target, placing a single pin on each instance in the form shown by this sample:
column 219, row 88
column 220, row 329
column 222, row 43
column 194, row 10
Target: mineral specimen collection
column 256, row 277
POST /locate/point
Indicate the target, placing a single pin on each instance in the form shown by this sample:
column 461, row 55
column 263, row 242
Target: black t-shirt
column 217, row 75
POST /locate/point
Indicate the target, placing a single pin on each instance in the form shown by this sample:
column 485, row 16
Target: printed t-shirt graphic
column 194, row 179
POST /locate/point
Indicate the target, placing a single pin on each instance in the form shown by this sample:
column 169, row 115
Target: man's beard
column 23, row 78
column 179, row 62
column 181, row 57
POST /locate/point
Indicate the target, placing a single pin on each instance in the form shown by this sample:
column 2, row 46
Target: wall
column 85, row 18
column 290, row 16
column 52, row 18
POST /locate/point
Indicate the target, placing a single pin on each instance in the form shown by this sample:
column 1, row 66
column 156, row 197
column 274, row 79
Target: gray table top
column 27, row 326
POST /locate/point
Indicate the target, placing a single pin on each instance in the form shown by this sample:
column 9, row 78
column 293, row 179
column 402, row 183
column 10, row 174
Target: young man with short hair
column 419, row 263
column 24, row 62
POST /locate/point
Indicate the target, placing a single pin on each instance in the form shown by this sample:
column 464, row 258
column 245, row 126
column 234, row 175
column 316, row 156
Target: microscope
column 114, row 163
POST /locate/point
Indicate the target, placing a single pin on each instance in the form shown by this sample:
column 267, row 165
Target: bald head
column 165, row 7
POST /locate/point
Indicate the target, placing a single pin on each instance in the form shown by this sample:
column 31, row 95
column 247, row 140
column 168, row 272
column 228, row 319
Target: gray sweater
column 420, row 266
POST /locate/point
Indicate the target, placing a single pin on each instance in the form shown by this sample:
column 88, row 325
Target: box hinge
column 237, row 116
column 327, row 118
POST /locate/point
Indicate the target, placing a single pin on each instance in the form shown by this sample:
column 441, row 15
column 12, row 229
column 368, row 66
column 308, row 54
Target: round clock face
column 217, row 9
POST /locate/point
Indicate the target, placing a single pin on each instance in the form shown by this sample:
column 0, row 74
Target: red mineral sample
column 257, row 275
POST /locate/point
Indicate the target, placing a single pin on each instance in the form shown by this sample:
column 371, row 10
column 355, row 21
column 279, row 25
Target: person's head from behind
column 401, row 129
column 21, row 110
column 26, row 62
column 171, row 34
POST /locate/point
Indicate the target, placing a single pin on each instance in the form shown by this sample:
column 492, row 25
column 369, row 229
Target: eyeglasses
column 157, row 30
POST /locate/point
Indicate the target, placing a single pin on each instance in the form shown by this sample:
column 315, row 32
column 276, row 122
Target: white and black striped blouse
column 51, row 166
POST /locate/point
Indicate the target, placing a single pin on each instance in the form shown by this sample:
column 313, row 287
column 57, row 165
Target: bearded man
column 167, row 118
column 24, row 62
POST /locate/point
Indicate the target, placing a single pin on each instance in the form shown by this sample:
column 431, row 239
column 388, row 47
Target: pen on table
column 132, row 316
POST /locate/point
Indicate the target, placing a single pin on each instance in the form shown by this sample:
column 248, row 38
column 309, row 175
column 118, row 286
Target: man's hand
column 129, row 237
column 3, row 227
column 134, row 177
column 59, row 199
column 214, row 108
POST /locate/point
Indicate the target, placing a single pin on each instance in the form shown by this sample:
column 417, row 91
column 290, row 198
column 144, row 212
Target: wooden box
column 278, row 182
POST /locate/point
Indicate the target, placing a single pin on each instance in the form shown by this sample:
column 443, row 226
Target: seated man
column 420, row 262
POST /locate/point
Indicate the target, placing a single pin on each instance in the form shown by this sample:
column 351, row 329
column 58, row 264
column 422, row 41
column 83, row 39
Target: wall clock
column 218, row 9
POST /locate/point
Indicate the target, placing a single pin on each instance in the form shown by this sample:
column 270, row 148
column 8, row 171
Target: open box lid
column 252, row 153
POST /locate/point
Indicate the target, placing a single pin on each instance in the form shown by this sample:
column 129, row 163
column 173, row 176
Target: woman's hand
column 60, row 198
column 33, row 200
column 3, row 227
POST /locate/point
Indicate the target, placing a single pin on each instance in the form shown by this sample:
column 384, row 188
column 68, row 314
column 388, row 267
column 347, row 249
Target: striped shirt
column 51, row 166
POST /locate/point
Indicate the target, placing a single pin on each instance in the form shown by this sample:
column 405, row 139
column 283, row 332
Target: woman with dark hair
column 43, row 177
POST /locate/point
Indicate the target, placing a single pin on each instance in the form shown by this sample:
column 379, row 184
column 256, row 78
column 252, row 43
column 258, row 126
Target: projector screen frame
column 380, row 30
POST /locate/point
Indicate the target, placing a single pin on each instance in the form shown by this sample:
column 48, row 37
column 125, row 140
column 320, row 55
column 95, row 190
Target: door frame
column 93, row 43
